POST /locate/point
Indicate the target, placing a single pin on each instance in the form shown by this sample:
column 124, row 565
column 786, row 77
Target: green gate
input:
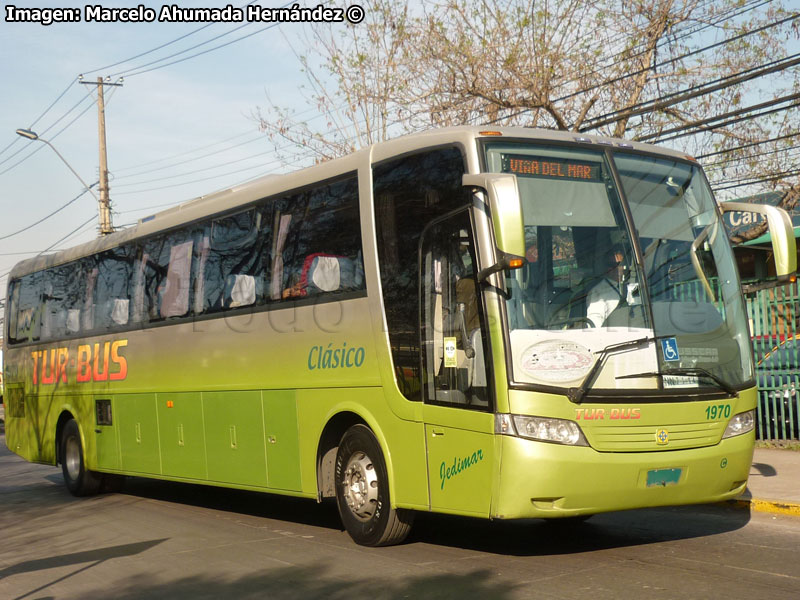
column 773, row 315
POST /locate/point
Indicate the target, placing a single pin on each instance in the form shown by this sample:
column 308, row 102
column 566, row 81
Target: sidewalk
column 774, row 484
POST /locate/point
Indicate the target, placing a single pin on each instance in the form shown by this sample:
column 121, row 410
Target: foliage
column 680, row 72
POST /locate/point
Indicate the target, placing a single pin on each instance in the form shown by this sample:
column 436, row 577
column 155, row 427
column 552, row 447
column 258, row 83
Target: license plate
column 663, row 477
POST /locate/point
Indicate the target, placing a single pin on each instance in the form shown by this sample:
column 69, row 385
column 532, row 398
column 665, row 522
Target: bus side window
column 317, row 247
column 12, row 308
column 113, row 293
column 27, row 300
column 138, row 310
column 232, row 257
column 164, row 276
column 174, row 290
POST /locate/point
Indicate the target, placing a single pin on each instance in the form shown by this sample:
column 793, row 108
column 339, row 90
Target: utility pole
column 106, row 225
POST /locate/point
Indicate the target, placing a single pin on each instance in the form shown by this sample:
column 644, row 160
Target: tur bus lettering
column 91, row 362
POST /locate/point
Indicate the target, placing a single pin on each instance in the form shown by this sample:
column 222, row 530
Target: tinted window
column 113, row 288
column 317, row 246
column 68, row 299
column 409, row 193
column 164, row 275
column 223, row 263
column 26, row 298
column 234, row 261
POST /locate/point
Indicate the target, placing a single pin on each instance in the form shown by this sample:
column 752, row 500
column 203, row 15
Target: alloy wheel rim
column 360, row 484
column 72, row 458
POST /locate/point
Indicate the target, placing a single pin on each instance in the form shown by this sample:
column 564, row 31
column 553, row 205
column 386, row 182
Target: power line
column 179, row 38
column 633, row 56
column 734, row 183
column 716, row 166
column 748, row 145
column 216, row 166
column 165, row 158
column 105, row 68
column 681, row 57
column 190, row 182
column 55, row 135
column 79, row 227
column 54, row 244
column 43, row 219
column 136, row 70
column 19, row 162
column 693, row 92
column 665, row 62
column 700, row 125
column 713, row 128
column 267, row 172
column 80, row 230
column 44, row 132
column 39, row 118
column 259, row 138
column 140, row 69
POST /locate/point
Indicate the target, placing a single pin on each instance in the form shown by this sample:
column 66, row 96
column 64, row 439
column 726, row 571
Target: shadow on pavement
column 321, row 581
column 256, row 504
column 77, row 558
column 765, row 470
column 599, row 532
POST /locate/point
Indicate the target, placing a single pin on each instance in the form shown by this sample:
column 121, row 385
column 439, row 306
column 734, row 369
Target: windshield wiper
column 699, row 371
column 576, row 395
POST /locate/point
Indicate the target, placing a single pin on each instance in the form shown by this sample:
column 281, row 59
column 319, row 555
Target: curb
column 776, row 507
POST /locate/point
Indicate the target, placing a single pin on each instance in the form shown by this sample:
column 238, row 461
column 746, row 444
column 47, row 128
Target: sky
column 173, row 132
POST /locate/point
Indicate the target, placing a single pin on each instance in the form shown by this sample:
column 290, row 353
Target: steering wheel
column 570, row 323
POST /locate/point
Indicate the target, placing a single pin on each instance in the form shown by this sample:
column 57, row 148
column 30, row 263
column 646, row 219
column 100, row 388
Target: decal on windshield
column 556, row 361
column 669, row 348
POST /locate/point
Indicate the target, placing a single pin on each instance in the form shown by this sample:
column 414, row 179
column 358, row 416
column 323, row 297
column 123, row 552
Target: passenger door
column 459, row 423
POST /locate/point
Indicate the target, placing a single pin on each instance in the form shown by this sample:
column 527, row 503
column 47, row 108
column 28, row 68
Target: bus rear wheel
column 78, row 479
column 362, row 492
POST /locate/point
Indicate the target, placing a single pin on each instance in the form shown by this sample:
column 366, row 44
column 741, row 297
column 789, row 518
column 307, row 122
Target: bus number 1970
column 718, row 411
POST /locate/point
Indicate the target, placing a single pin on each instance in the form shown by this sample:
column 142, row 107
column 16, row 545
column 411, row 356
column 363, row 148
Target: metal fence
column 773, row 315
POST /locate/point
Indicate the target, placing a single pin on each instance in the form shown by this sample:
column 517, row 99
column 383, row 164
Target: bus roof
column 269, row 185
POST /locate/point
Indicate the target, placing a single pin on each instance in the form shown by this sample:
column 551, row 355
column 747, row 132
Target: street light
column 105, row 214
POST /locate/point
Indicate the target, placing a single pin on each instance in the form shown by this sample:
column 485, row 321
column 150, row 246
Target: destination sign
column 551, row 168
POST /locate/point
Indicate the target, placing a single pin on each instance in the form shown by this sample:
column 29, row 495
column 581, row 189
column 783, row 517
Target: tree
column 714, row 78
column 353, row 74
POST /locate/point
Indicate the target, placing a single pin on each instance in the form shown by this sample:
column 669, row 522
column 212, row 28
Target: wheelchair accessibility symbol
column 669, row 348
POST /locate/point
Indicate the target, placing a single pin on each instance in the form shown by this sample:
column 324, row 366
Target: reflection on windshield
column 582, row 290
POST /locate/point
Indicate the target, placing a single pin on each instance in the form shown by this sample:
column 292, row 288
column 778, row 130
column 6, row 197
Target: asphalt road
column 166, row 540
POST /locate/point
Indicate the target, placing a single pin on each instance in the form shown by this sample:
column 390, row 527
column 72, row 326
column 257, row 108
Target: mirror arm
column 506, row 263
column 698, row 269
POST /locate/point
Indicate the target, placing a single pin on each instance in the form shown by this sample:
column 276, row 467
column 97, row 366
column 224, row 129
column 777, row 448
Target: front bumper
column 538, row 479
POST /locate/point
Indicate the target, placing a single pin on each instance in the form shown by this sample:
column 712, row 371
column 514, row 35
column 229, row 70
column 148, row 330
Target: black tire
column 78, row 479
column 362, row 492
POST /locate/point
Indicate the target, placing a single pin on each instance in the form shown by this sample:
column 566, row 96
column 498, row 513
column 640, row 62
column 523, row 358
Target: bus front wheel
column 362, row 492
column 78, row 479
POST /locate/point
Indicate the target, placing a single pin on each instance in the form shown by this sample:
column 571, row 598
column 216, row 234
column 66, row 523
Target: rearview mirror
column 781, row 231
column 506, row 210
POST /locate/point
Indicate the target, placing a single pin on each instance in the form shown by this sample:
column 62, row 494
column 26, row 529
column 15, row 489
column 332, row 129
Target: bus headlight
column 741, row 423
column 543, row 429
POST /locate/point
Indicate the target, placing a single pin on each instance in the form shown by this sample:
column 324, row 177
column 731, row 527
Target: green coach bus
column 503, row 324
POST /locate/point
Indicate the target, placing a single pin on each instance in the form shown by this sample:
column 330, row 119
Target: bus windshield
column 605, row 266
